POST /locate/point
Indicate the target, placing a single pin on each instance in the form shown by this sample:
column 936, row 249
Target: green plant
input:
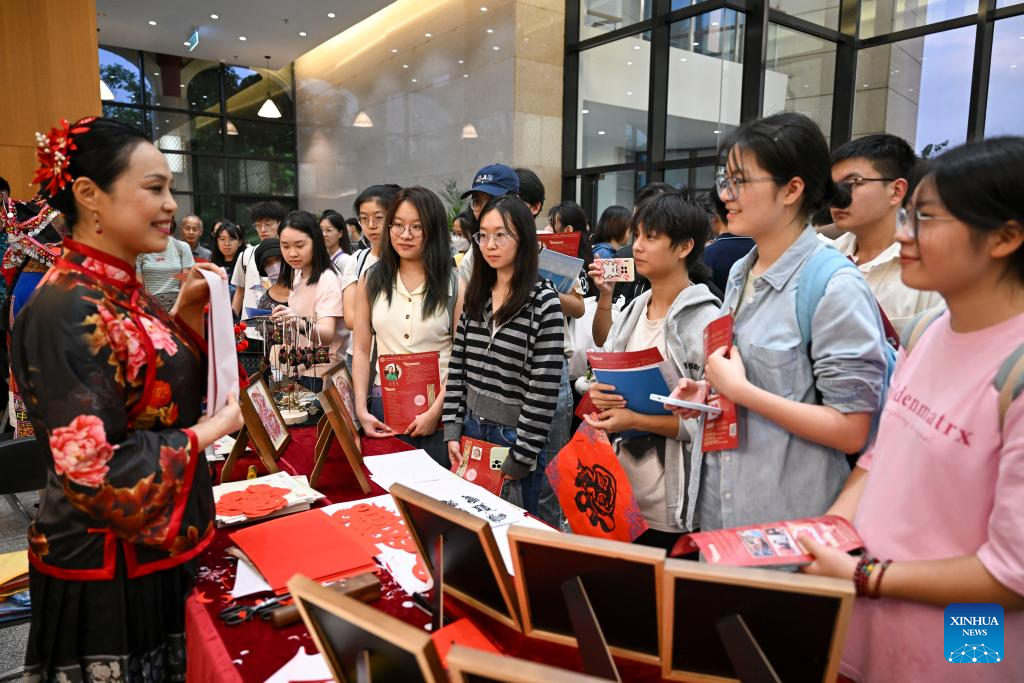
column 933, row 148
column 451, row 195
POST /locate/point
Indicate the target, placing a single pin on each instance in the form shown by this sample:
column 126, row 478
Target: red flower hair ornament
column 54, row 154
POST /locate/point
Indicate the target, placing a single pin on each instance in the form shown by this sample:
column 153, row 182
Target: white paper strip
column 222, row 377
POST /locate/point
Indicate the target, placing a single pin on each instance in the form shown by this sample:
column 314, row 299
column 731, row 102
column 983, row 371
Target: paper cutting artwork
column 255, row 501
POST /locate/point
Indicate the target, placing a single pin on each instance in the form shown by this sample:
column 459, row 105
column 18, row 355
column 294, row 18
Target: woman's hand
column 614, row 421
column 424, row 424
column 596, row 273
column 227, row 420
column 454, row 453
column 603, row 399
column 688, row 390
column 727, row 374
column 194, row 291
column 372, row 427
column 280, row 311
column 828, row 561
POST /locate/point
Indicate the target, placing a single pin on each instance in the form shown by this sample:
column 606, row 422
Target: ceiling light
column 152, row 23
column 394, row 50
column 696, row 44
column 682, row 59
column 413, row 80
column 302, row 34
column 105, row 93
column 405, row 66
column 717, row 132
column 230, row 128
column 156, row 73
column 865, row 85
column 428, row 35
column 215, row 16
column 714, row 23
column 182, row 85
column 600, row 132
column 269, row 110
column 242, row 38
column 462, row 61
column 584, row 111
column 629, row 63
column 469, row 132
column 465, row 75
column 629, row 92
column 490, row 30
column 495, row 48
column 186, row 43
column 1013, row 66
column 636, row 47
column 330, row 15
column 362, row 120
column 483, row 9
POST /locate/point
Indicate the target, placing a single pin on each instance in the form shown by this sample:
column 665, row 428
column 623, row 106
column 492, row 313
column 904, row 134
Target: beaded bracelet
column 877, row 592
column 862, row 574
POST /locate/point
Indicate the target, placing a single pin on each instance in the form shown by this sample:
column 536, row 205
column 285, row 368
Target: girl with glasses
column 227, row 237
column 506, row 363
column 802, row 405
column 939, row 499
column 407, row 303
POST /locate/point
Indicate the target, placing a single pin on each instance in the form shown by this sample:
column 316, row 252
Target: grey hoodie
column 689, row 314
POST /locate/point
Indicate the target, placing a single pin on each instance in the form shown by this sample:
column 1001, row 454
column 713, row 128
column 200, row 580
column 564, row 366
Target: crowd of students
column 876, row 375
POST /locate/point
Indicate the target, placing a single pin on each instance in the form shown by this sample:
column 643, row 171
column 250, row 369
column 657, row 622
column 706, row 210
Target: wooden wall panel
column 50, row 56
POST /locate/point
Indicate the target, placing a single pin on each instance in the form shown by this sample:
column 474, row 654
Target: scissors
column 239, row 614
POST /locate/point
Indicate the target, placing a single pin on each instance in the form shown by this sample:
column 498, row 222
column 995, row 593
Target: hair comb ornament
column 54, row 155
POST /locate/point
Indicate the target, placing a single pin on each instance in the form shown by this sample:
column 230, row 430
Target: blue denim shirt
column 774, row 475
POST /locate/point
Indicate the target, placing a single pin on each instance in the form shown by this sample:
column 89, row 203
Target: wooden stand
column 334, row 422
column 597, row 660
column 744, row 651
column 255, row 432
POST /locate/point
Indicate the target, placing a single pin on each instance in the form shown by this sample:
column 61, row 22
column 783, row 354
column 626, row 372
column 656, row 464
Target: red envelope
column 594, row 491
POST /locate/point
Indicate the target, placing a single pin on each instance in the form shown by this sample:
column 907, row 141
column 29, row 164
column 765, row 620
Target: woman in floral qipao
column 113, row 386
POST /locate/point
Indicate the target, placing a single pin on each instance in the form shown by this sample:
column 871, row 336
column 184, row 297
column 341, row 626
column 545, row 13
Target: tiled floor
column 13, row 528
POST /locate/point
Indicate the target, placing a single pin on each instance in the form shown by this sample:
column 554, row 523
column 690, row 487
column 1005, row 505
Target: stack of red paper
column 308, row 543
column 254, row 501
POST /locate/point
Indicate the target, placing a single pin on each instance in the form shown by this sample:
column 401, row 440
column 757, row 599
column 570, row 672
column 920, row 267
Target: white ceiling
column 125, row 23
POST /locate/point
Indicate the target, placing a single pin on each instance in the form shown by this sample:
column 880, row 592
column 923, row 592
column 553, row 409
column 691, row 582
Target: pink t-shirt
column 945, row 482
column 322, row 299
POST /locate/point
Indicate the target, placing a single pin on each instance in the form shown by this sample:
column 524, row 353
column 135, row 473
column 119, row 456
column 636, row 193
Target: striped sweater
column 510, row 377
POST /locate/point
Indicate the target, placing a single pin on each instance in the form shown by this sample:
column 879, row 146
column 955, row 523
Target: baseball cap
column 496, row 180
column 266, row 249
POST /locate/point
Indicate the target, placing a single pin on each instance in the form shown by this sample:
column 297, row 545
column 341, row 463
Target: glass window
column 186, row 133
column 119, row 71
column 210, row 208
column 181, row 171
column 181, row 83
column 602, row 16
column 919, row 89
column 1006, row 82
column 698, row 180
column 878, row 17
column 257, row 176
column 822, row 12
column 705, row 56
column 799, row 75
column 129, row 115
column 258, row 139
column 618, row 188
column 246, row 90
column 612, row 105
column 209, row 174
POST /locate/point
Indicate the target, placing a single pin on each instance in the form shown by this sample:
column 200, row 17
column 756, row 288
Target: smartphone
column 617, row 269
column 704, row 408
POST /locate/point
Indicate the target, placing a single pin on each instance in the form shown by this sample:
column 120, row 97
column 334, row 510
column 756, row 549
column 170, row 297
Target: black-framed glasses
column 730, row 186
column 908, row 221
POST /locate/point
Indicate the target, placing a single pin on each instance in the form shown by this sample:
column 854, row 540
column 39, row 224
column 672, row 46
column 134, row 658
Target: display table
column 255, row 650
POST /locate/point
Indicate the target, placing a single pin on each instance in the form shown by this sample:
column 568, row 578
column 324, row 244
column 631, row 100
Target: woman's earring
column 96, row 215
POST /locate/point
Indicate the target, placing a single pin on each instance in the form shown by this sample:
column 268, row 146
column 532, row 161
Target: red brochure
column 481, row 463
column 567, row 243
column 586, row 406
column 409, row 383
column 721, row 433
column 771, row 544
column 594, row 490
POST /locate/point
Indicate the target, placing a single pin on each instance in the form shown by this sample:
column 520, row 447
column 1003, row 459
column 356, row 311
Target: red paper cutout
column 372, row 524
column 594, row 491
column 256, row 500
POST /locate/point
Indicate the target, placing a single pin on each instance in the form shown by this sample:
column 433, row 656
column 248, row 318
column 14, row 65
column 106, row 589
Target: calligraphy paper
column 409, row 384
column 462, row 495
column 771, row 544
column 222, row 356
column 594, row 491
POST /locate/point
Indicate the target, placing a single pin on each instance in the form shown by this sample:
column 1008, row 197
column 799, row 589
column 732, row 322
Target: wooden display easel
column 337, row 423
column 255, row 433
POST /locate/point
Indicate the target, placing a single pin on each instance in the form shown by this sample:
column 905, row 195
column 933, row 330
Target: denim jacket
column 775, row 475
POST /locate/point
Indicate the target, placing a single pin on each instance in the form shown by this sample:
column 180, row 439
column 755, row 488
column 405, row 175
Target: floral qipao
column 111, row 379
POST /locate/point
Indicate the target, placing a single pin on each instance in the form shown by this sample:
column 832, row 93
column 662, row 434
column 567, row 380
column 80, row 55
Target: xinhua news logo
column 974, row 633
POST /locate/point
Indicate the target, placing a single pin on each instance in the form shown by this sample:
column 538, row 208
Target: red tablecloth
column 255, row 650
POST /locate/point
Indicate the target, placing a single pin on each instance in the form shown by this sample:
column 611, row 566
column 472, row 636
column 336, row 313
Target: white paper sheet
column 302, row 668
column 407, row 467
column 468, row 497
column 501, row 538
column 222, row 375
column 248, row 581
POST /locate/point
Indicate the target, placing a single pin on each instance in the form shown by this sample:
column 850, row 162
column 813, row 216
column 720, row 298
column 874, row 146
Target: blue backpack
column 814, row 279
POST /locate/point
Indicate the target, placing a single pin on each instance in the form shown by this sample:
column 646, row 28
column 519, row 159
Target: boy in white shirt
column 266, row 218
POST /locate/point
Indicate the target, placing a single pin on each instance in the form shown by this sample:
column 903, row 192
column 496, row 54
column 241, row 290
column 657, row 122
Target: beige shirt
column 900, row 303
column 401, row 328
column 321, row 300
